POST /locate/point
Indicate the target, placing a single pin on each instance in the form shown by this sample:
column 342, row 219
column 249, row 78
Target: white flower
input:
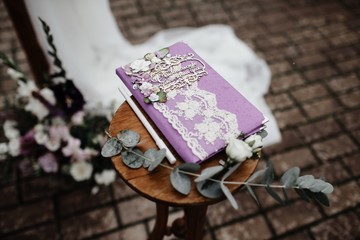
column 254, row 141
column 238, row 150
column 81, row 171
column 140, row 65
column 48, row 94
column 4, row 149
column 106, row 177
column 14, row 74
column 14, row 147
column 154, row 97
column 73, row 145
column 9, row 129
column 25, row 89
column 36, row 107
column 78, row 118
column 40, row 136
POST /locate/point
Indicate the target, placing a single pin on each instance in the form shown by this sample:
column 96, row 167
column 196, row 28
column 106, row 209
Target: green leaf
column 131, row 159
column 129, row 138
column 252, row 194
column 225, row 190
column 208, row 173
column 162, row 52
column 274, row 194
column 302, row 193
column 181, row 182
column 209, row 189
column 263, row 133
column 251, row 143
column 111, row 148
column 269, row 174
column 290, row 176
column 189, row 167
column 256, row 175
column 229, row 196
column 156, row 156
column 162, row 96
column 305, row 181
column 321, row 198
column 321, row 186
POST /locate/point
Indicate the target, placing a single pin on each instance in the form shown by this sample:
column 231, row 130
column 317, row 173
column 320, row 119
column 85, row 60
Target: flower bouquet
column 51, row 129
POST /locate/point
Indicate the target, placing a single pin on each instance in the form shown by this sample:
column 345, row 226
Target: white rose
column 14, row 147
column 154, row 97
column 9, row 129
column 106, row 177
column 140, row 65
column 254, row 141
column 81, row 171
column 238, row 150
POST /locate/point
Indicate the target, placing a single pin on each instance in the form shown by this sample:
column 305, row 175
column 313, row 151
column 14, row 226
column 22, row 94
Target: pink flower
column 73, row 145
column 48, row 163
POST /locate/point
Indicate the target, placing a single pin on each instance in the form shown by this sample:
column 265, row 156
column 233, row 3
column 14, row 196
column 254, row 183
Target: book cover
column 194, row 107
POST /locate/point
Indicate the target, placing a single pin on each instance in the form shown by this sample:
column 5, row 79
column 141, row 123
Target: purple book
column 194, row 107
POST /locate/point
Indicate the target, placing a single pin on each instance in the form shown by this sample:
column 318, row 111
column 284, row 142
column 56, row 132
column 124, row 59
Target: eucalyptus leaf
column 305, row 181
column 129, row 138
column 274, row 194
column 181, row 182
column 263, row 133
column 156, row 156
column 209, row 189
column 252, row 194
column 321, row 186
column 208, row 173
column 111, row 148
column 189, row 167
column 269, row 174
column 321, row 198
column 131, row 159
column 303, row 194
column 251, row 143
column 229, row 195
column 285, row 194
column 256, row 175
column 162, row 52
column 290, row 176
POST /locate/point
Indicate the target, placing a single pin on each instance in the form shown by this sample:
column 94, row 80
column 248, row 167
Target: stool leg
column 160, row 228
column 195, row 220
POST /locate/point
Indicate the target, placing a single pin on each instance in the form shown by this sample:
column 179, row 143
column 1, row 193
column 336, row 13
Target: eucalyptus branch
column 211, row 181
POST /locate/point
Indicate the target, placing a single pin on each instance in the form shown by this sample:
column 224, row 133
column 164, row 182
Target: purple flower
column 48, row 163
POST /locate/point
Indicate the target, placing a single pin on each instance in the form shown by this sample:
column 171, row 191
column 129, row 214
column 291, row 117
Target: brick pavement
column 312, row 48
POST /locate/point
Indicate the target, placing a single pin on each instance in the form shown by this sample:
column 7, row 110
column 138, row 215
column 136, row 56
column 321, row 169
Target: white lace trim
column 206, row 122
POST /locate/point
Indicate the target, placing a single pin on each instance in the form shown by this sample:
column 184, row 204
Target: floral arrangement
column 51, row 129
column 211, row 182
column 140, row 69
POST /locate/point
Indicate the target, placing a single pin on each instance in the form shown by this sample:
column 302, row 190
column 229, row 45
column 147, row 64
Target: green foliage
column 129, row 138
column 180, row 181
column 133, row 158
column 211, row 182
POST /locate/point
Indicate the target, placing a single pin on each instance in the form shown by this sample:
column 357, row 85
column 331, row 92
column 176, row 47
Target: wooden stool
column 156, row 185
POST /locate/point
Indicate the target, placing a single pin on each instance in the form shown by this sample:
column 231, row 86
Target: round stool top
column 156, row 185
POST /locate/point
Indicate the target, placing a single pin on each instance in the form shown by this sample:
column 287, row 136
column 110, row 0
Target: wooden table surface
column 156, row 185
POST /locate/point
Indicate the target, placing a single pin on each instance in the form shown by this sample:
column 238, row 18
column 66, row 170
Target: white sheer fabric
column 92, row 47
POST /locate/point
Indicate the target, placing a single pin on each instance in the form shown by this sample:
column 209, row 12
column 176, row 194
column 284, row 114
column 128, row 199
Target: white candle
column 159, row 142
